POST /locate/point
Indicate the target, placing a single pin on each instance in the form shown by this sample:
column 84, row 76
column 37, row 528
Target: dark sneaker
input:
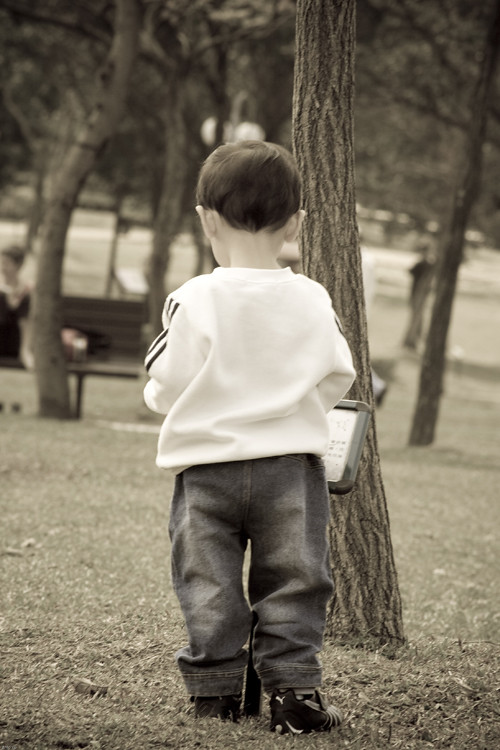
column 303, row 714
column 225, row 707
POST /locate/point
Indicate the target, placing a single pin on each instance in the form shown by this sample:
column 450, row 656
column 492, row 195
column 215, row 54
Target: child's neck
column 237, row 259
column 241, row 249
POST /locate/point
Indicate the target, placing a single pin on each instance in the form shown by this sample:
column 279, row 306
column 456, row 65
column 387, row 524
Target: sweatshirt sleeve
column 336, row 384
column 172, row 360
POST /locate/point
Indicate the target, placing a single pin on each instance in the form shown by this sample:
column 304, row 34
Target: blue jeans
column 281, row 506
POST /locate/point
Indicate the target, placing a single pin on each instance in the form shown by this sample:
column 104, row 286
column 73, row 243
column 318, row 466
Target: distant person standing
column 422, row 273
column 15, row 295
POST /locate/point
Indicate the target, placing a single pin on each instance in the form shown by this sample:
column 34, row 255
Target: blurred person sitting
column 15, row 297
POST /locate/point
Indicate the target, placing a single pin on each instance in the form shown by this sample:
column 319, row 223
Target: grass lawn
column 89, row 624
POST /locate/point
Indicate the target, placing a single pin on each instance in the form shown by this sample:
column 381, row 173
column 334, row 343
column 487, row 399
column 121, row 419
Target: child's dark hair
column 253, row 185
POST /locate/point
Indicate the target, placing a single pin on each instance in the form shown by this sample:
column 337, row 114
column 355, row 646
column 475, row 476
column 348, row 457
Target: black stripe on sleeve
column 158, row 340
column 172, row 307
column 160, row 343
column 151, row 360
column 157, row 347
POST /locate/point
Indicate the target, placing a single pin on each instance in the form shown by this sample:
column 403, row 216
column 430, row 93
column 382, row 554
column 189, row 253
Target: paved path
column 480, row 272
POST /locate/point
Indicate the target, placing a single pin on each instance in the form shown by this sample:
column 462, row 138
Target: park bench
column 114, row 329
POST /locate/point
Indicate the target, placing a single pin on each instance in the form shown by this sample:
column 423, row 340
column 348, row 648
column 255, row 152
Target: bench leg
column 79, row 394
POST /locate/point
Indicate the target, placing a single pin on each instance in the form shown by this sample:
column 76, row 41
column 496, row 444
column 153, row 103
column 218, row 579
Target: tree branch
column 78, row 26
column 17, row 114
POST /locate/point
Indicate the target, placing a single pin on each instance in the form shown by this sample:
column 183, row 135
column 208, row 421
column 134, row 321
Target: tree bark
column 113, row 249
column 434, row 360
column 366, row 605
column 113, row 79
column 170, row 205
column 36, row 211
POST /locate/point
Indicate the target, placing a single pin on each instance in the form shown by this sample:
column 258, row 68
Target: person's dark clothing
column 10, row 332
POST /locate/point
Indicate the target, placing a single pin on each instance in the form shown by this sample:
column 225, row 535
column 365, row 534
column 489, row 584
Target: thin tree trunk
column 433, row 365
column 78, row 161
column 39, row 160
column 366, row 605
column 36, row 211
column 113, row 249
column 169, row 212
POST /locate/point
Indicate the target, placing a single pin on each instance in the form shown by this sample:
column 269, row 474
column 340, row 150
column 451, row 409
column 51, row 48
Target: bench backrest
column 119, row 321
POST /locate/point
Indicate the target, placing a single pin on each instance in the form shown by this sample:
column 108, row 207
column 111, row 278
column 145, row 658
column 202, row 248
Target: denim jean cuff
column 214, row 683
column 290, row 675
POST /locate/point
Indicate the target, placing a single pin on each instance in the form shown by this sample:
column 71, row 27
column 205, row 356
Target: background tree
column 417, row 73
column 196, row 48
column 366, row 604
column 14, row 155
column 468, row 180
column 42, row 95
column 112, row 86
column 416, row 62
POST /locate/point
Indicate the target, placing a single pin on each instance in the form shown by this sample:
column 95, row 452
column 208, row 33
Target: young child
column 251, row 358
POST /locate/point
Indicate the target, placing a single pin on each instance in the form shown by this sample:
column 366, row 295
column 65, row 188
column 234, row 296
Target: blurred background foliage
column 207, row 63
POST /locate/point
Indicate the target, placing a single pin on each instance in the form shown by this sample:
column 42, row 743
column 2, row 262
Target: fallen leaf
column 28, row 543
column 87, row 687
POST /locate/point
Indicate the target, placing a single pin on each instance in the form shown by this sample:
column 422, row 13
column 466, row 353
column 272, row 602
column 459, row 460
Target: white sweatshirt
column 248, row 364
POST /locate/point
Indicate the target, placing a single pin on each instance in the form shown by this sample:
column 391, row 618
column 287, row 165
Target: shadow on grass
column 449, row 458
column 490, row 373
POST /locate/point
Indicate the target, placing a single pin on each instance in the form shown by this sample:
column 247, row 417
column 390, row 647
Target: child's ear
column 293, row 226
column 207, row 219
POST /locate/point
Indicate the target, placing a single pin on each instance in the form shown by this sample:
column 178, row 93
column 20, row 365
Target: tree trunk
column 169, row 213
column 36, row 212
column 366, row 605
column 433, row 365
column 113, row 249
column 78, row 161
